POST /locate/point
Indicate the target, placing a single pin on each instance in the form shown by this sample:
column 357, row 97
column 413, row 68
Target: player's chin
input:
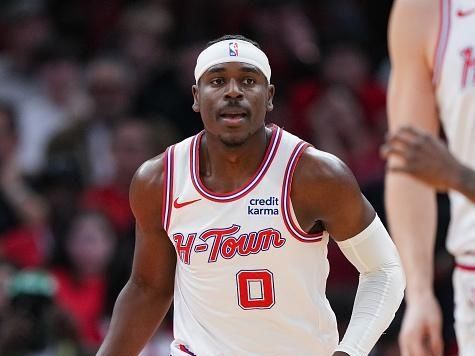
column 234, row 139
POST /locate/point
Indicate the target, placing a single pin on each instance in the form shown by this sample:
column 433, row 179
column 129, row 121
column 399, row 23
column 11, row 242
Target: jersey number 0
column 255, row 289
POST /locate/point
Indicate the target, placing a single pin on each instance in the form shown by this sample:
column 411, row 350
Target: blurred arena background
column 90, row 89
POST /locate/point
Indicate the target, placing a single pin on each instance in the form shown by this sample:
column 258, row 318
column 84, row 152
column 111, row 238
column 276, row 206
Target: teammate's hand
column 423, row 156
column 421, row 331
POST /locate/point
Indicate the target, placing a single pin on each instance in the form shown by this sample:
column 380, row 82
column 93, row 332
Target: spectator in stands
column 23, row 213
column 32, row 324
column 26, row 26
column 110, row 83
column 133, row 142
column 7, row 270
column 344, row 111
column 82, row 281
column 59, row 102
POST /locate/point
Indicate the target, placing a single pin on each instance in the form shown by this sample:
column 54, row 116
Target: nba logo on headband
column 233, row 49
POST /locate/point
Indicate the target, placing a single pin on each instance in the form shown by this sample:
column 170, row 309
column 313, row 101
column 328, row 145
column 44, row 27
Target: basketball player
column 432, row 48
column 240, row 245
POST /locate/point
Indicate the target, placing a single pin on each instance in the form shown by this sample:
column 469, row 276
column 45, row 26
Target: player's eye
column 249, row 81
column 217, row 81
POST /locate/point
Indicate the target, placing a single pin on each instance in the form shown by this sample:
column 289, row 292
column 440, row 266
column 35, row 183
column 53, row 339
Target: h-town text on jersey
column 225, row 243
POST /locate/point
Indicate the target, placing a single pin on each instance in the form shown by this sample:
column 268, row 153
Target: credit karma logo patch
column 263, row 206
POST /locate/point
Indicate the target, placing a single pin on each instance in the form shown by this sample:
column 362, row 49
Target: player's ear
column 270, row 97
column 195, row 91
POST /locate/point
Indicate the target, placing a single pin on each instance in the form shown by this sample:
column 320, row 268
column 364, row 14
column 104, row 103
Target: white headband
column 232, row 50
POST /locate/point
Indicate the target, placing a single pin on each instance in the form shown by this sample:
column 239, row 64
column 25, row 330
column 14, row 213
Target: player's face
column 233, row 99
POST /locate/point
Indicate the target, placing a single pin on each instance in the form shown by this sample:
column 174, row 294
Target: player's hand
column 423, row 156
column 421, row 331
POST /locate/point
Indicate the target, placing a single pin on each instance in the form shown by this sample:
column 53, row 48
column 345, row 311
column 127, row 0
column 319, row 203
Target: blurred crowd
column 91, row 89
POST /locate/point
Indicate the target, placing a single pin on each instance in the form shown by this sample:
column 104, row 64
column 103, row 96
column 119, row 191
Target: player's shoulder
column 420, row 12
column 319, row 168
column 322, row 184
column 152, row 169
column 416, row 6
column 151, row 172
column 413, row 29
column 149, row 176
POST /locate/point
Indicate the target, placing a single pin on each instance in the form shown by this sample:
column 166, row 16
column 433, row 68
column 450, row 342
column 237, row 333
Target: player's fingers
column 397, row 169
column 404, row 350
column 417, row 347
column 411, row 344
column 409, row 144
column 436, row 343
column 403, row 347
column 401, row 138
column 413, row 152
column 411, row 130
column 387, row 150
column 413, row 137
column 418, row 137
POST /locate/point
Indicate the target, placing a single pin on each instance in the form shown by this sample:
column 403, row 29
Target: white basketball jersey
column 248, row 280
column 454, row 77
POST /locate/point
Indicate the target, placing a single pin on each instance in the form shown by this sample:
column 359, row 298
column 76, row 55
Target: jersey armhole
column 288, row 213
column 167, row 194
column 442, row 40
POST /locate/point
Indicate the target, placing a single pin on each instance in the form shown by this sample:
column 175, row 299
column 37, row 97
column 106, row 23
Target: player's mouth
column 233, row 117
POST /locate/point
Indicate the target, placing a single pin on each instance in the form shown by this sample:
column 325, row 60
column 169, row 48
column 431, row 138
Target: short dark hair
column 10, row 113
column 232, row 37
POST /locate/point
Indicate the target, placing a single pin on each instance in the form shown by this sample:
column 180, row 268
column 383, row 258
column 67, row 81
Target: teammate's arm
column 147, row 296
column 410, row 204
column 325, row 190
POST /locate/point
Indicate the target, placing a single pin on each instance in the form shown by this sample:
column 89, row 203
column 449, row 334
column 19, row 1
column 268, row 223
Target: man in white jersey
column 432, row 50
column 233, row 225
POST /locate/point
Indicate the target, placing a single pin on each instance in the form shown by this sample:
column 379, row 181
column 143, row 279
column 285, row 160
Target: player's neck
column 226, row 168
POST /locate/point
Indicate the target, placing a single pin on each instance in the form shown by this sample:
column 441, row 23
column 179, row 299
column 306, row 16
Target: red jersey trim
column 465, row 267
column 293, row 226
column 248, row 186
column 167, row 196
column 185, row 350
column 445, row 13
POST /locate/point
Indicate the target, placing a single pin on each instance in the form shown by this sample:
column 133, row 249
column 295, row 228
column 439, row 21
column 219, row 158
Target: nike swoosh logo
column 463, row 13
column 178, row 205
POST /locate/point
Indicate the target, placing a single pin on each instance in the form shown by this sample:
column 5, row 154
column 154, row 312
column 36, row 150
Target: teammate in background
column 432, row 49
column 247, row 211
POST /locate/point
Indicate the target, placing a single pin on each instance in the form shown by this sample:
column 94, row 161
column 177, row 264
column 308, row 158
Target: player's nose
column 233, row 89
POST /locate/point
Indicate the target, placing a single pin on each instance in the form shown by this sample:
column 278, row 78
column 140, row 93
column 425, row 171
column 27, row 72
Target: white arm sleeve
column 380, row 289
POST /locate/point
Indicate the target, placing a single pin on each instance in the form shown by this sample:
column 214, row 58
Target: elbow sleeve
column 380, row 289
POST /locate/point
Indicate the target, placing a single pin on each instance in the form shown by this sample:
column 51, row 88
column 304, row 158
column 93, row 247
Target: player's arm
column 324, row 189
column 146, row 298
column 410, row 204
